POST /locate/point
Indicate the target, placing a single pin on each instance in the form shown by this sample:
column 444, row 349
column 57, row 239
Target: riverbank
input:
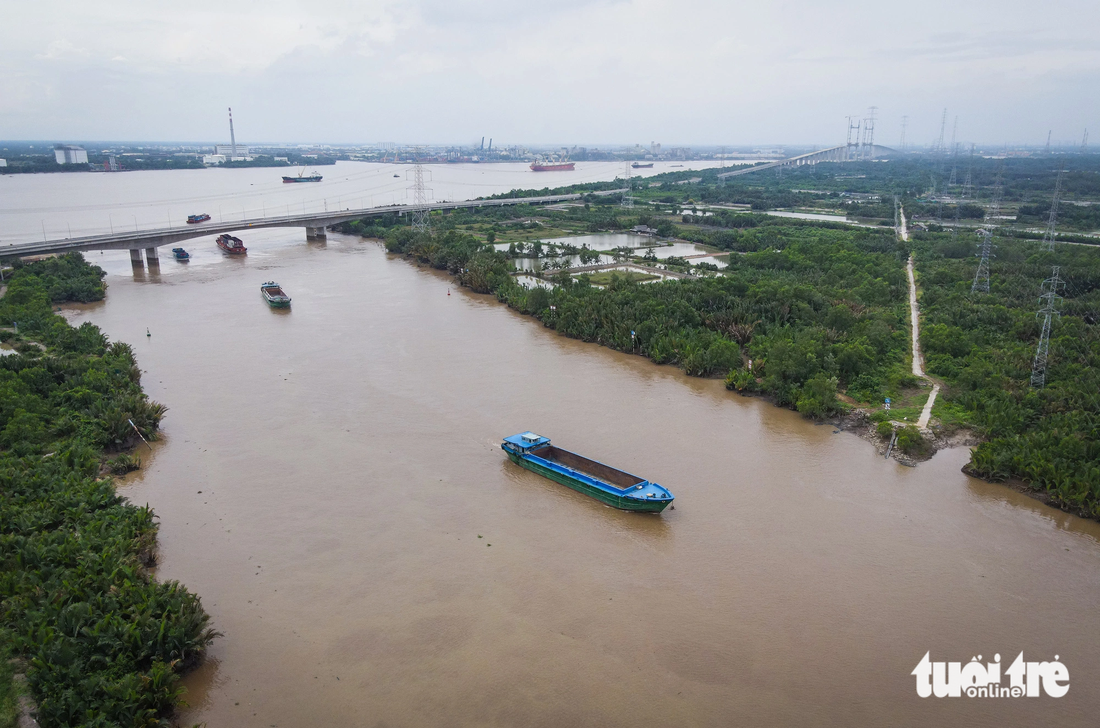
column 714, row 333
column 100, row 636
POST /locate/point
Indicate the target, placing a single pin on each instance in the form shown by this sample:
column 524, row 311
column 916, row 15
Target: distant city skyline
column 692, row 73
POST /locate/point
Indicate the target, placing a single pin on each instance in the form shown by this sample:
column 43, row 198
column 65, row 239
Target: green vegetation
column 983, row 347
column 824, row 314
column 605, row 277
column 819, row 307
column 104, row 642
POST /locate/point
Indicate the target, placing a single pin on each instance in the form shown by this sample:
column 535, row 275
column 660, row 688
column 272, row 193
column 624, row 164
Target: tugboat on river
column 231, row 245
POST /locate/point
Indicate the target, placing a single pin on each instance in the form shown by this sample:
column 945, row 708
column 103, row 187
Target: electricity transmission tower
column 1049, row 299
column 981, row 277
column 628, row 193
column 1085, row 141
column 421, row 215
column 1047, row 150
column 938, row 148
column 954, row 152
column 1049, row 235
column 904, row 124
column 969, row 167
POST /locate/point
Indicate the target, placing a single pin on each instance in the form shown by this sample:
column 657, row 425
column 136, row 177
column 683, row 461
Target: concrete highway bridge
column 843, row 153
column 315, row 224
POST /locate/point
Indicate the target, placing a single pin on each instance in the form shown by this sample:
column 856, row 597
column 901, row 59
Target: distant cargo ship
column 602, row 482
column 551, row 164
column 639, row 165
column 302, row 178
column 231, row 245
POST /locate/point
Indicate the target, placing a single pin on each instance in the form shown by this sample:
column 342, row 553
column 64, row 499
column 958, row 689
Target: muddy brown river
column 330, row 482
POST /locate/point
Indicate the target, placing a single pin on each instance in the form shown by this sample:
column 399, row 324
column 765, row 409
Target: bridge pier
column 151, row 257
column 135, row 258
column 316, row 233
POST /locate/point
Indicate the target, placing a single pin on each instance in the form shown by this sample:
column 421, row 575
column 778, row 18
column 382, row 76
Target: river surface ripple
column 330, row 481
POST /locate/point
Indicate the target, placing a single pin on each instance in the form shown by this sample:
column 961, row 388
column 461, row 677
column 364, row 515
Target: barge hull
column 626, row 504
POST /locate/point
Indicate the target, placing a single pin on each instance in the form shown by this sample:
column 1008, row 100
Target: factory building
column 69, row 154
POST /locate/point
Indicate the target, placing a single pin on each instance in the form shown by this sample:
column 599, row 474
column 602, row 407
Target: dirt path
column 914, row 321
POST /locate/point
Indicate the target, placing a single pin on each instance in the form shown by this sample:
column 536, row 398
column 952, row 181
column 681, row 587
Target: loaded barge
column 611, row 486
column 275, row 295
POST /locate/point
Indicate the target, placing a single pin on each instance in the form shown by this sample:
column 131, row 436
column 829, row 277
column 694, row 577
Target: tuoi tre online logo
column 977, row 680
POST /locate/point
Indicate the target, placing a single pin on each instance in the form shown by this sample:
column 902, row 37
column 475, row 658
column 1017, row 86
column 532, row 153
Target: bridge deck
column 138, row 239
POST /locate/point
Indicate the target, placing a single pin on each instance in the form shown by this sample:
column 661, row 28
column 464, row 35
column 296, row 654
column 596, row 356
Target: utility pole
column 421, row 221
column 981, row 277
column 1049, row 235
column 628, row 194
column 1049, row 299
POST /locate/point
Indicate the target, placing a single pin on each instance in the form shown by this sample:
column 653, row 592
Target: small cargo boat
column 274, row 295
column 639, row 165
column 602, row 482
column 231, row 245
column 180, row 254
column 192, row 219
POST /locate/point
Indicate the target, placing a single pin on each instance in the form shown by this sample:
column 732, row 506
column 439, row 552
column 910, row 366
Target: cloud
column 575, row 70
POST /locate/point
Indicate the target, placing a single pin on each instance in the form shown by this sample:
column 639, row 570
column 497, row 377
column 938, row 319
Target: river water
column 330, row 482
column 54, row 206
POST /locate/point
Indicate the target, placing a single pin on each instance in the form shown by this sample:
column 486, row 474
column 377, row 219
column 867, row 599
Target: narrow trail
column 914, row 321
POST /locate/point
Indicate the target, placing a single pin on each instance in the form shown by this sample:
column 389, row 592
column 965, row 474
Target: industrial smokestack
column 482, row 143
column 490, row 144
column 232, row 136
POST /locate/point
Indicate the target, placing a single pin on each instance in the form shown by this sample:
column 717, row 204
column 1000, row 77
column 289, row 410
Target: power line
column 1051, row 298
column 1049, row 235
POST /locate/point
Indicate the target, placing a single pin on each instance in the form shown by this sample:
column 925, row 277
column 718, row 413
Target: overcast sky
column 572, row 71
